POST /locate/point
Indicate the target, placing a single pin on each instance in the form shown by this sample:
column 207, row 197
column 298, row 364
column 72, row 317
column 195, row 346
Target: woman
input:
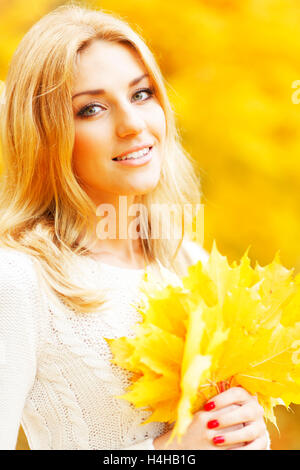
column 87, row 121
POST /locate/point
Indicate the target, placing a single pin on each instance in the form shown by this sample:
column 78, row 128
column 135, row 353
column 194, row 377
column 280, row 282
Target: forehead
column 103, row 63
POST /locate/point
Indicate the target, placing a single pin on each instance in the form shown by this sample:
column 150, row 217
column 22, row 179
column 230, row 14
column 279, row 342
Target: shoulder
column 193, row 252
column 15, row 261
column 17, row 271
column 23, row 305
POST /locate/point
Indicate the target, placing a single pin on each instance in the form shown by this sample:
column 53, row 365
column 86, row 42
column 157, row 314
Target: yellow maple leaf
column 222, row 325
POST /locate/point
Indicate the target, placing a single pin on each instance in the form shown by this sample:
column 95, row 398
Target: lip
column 138, row 161
column 134, row 149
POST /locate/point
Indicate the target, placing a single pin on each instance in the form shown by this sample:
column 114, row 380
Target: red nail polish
column 209, row 406
column 214, row 423
column 218, row 440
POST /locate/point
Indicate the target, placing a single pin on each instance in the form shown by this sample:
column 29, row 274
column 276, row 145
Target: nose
column 129, row 121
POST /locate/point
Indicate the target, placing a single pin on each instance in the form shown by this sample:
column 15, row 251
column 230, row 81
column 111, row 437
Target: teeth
column 134, row 155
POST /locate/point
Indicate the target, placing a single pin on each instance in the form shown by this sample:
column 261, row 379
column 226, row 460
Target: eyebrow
column 101, row 91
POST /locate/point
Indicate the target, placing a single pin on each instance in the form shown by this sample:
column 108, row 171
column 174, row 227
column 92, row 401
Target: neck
column 115, row 233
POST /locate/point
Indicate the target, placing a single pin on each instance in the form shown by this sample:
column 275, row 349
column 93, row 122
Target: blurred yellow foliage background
column 229, row 67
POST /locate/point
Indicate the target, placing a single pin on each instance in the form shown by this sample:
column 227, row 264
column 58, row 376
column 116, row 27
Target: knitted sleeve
column 19, row 312
column 144, row 445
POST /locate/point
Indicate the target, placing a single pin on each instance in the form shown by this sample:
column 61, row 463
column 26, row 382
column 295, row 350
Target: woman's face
column 119, row 119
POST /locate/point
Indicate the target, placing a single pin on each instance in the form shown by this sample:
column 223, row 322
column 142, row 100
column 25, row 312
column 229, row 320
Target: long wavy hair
column 43, row 209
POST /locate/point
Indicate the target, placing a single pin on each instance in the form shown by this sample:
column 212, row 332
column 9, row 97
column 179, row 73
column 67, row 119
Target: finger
column 247, row 413
column 215, row 448
column 232, row 395
column 246, row 434
column 261, row 443
column 236, row 447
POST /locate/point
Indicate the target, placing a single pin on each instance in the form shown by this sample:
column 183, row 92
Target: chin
column 146, row 188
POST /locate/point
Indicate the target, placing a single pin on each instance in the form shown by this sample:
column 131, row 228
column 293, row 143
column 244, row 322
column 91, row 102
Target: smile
column 135, row 158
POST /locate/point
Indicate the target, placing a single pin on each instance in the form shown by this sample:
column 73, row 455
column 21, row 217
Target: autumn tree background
column 229, row 67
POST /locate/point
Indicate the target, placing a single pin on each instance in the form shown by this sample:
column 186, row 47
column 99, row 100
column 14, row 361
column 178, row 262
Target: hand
column 237, row 419
column 248, row 413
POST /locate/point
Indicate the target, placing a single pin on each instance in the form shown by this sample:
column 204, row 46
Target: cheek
column 159, row 123
column 90, row 143
column 86, row 137
column 83, row 150
column 81, row 144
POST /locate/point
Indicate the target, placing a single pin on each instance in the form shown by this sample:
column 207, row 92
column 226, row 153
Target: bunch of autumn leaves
column 222, row 325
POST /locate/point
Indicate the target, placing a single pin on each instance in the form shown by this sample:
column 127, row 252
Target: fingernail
column 209, row 406
column 214, row 423
column 218, row 440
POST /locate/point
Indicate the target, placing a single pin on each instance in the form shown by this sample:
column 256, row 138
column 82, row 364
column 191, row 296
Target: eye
column 148, row 91
column 82, row 113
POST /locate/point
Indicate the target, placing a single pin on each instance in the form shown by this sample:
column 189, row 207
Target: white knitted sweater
column 56, row 378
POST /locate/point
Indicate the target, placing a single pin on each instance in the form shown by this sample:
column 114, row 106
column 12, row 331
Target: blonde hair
column 43, row 209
